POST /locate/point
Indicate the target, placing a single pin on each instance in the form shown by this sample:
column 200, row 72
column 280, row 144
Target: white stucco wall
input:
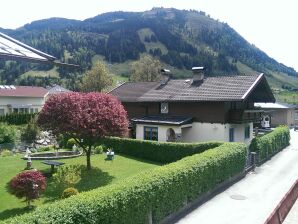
column 239, row 131
column 33, row 102
column 201, row 132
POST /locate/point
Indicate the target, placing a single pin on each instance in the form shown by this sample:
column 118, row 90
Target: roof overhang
column 260, row 91
column 12, row 49
column 163, row 120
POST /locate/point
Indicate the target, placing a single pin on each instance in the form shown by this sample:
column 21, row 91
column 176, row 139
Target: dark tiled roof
column 132, row 91
column 163, row 119
column 23, row 91
column 222, row 88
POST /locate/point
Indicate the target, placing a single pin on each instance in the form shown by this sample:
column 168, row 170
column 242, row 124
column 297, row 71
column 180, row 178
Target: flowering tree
column 86, row 117
column 28, row 185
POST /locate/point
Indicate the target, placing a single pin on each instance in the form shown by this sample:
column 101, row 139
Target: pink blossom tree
column 86, row 117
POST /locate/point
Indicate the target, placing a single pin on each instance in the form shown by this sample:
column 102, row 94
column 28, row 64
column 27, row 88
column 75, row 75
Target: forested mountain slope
column 179, row 38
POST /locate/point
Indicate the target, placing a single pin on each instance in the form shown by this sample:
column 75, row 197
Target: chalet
column 199, row 109
column 21, row 99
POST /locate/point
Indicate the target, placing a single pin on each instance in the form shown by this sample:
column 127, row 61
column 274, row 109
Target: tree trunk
column 88, row 155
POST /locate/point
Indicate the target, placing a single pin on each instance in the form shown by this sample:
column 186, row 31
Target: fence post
column 253, row 158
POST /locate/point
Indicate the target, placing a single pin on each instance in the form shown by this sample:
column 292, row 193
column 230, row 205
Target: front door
column 231, row 135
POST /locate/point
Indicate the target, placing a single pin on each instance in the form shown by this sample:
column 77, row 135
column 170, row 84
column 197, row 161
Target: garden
column 103, row 173
column 144, row 182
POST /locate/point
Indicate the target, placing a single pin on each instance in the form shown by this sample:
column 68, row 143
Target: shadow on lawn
column 90, row 179
column 12, row 212
column 141, row 160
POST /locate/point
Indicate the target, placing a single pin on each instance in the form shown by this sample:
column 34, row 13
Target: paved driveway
column 252, row 199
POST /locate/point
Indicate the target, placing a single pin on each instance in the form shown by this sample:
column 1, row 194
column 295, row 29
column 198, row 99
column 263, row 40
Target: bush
column 62, row 141
column 271, row 143
column 67, row 176
column 46, row 148
column 70, row 143
column 16, row 119
column 99, row 149
column 69, row 192
column 28, row 185
column 6, row 152
column 31, row 131
column 162, row 152
column 162, row 191
column 8, row 133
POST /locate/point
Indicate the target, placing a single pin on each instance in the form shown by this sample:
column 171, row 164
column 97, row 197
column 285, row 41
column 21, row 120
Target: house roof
column 276, row 105
column 22, row 91
column 163, row 119
column 56, row 89
column 221, row 88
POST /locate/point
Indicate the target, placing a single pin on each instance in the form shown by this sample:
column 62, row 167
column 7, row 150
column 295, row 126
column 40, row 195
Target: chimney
column 198, row 74
column 166, row 76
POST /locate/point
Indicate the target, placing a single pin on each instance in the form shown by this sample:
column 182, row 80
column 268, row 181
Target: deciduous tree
column 86, row 117
column 28, row 185
column 147, row 69
column 97, row 79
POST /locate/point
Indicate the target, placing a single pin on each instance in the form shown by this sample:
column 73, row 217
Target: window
column 15, row 110
column 247, row 132
column 31, row 111
column 36, row 110
column 164, row 108
column 1, row 112
column 231, row 134
column 151, row 133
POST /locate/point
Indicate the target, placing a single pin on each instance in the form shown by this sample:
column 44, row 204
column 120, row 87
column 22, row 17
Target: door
column 231, row 135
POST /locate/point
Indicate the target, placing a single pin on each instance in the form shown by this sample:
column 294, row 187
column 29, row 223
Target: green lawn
column 103, row 173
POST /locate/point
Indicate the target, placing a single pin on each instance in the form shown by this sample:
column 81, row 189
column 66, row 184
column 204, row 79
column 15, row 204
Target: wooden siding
column 211, row 112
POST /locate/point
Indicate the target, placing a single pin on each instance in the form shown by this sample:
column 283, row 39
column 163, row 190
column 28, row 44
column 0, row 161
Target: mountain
column 179, row 38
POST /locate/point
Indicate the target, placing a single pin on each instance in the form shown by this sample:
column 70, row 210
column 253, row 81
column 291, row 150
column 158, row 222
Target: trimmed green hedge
column 162, row 152
column 271, row 143
column 159, row 192
column 16, row 119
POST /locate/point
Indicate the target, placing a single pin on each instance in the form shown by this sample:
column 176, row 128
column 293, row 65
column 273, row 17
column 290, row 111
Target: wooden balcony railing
column 244, row 116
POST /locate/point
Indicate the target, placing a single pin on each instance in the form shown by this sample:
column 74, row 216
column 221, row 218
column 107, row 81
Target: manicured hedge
column 163, row 152
column 271, row 143
column 16, row 119
column 159, row 192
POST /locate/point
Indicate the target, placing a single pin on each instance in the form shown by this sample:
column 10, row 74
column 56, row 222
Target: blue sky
column 270, row 25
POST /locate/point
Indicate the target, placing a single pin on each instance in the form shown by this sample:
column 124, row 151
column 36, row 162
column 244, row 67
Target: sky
column 271, row 25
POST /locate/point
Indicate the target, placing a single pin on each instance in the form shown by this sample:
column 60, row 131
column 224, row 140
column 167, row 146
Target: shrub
column 28, row 185
column 16, row 119
column 46, row 148
column 69, row 192
column 8, row 133
column 6, row 152
column 162, row 190
column 67, row 176
column 162, row 152
column 62, row 141
column 271, row 143
column 99, row 149
column 31, row 131
column 70, row 143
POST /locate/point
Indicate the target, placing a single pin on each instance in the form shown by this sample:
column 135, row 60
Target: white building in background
column 21, row 99
column 278, row 113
